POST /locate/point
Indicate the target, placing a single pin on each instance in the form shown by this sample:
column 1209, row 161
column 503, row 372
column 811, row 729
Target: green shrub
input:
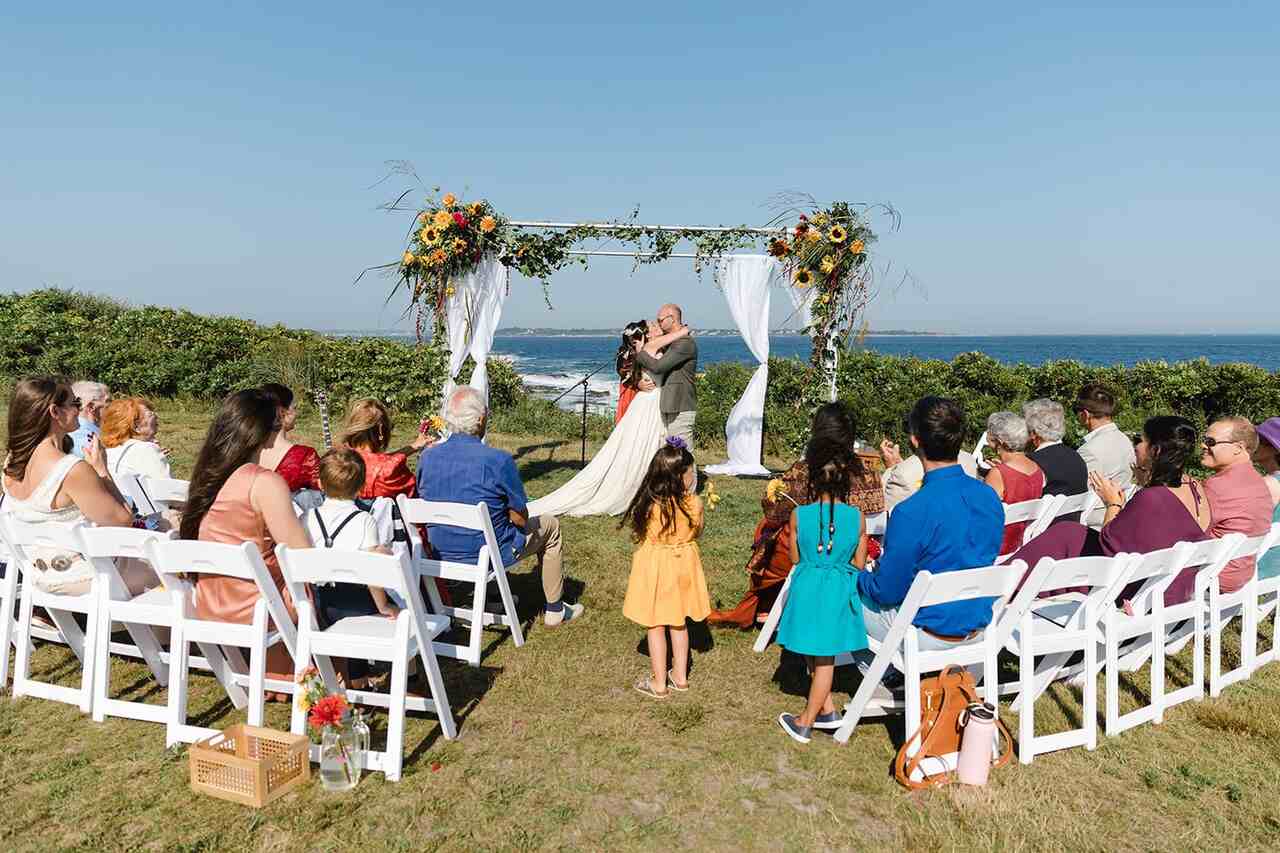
column 163, row 352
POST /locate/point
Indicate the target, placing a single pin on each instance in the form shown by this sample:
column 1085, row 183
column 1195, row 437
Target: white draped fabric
column 746, row 280
column 471, row 318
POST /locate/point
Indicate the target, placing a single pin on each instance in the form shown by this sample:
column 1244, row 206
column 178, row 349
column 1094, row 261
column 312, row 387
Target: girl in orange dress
column 666, row 585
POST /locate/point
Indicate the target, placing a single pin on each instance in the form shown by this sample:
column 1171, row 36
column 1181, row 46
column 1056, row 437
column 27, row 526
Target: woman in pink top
column 1239, row 499
column 233, row 499
column 1015, row 477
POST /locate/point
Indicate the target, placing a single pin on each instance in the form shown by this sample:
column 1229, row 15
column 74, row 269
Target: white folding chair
column 1226, row 606
column 156, row 494
column 1083, row 503
column 102, row 546
column 1036, row 513
column 174, row 560
column 875, row 527
column 22, row 538
column 901, row 646
column 487, row 567
column 1144, row 634
column 1268, row 598
column 1054, row 630
column 374, row 637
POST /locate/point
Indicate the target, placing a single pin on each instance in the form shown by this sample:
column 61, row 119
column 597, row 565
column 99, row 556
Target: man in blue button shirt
column 94, row 398
column 465, row 470
column 953, row 522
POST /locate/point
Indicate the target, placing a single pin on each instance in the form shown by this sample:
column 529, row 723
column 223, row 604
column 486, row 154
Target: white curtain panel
column 801, row 299
column 746, row 280
column 471, row 318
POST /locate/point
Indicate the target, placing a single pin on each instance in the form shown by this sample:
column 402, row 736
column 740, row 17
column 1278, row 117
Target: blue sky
column 1092, row 168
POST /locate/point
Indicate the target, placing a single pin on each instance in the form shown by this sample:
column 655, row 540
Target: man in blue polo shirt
column 953, row 522
column 465, row 470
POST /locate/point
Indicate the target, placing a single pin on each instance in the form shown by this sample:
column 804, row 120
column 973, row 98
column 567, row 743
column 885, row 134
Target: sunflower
column 459, row 245
column 441, row 219
column 475, row 209
column 488, row 224
column 409, row 258
column 436, row 258
column 803, row 278
column 812, row 236
column 779, row 248
column 856, row 247
column 430, row 235
column 449, row 200
column 828, row 264
column 837, row 234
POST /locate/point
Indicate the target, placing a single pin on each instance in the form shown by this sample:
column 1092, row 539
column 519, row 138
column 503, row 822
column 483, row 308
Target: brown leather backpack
column 943, row 699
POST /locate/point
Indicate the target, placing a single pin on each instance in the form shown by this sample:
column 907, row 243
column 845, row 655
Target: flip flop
column 671, row 685
column 645, row 686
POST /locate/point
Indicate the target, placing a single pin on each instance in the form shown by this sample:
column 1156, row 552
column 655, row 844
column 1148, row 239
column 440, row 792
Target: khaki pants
column 680, row 424
column 543, row 539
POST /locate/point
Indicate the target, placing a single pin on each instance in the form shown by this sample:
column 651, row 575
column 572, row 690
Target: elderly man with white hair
column 465, row 470
column 1065, row 471
column 94, row 398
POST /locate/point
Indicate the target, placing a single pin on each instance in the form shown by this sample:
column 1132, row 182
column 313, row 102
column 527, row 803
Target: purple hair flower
column 677, row 441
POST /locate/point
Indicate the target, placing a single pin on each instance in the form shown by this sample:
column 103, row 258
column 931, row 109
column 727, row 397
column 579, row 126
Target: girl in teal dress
column 823, row 614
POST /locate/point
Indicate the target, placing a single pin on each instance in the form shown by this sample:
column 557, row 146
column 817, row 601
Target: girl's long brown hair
column 243, row 424
column 663, row 489
column 29, row 420
column 627, row 365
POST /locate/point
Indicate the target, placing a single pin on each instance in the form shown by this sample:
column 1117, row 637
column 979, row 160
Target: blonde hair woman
column 368, row 432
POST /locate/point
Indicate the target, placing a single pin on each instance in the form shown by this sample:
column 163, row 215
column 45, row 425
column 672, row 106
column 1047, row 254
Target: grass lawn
column 557, row 751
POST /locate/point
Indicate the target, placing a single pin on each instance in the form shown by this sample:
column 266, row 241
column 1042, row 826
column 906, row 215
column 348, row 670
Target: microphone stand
column 584, row 382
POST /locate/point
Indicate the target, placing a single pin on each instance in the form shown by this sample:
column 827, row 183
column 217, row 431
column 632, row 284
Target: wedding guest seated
column 129, row 428
column 1239, row 500
column 1106, row 450
column 44, row 482
column 233, row 499
column 903, row 477
column 953, row 522
column 1168, row 509
column 770, row 560
column 339, row 523
column 368, row 432
column 1267, row 457
column 94, row 397
column 465, row 470
column 1065, row 472
column 1014, row 476
column 297, row 463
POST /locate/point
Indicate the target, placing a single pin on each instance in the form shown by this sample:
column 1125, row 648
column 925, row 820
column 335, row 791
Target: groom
column 675, row 371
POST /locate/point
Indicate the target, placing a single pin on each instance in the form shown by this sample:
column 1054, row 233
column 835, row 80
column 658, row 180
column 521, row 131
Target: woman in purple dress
column 1168, row 509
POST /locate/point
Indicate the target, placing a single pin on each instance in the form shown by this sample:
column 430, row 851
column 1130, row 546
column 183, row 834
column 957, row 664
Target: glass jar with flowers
column 329, row 718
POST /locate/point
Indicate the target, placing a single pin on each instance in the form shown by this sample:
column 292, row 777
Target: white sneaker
column 567, row 613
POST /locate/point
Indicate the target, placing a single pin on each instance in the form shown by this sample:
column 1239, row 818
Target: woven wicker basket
column 249, row 765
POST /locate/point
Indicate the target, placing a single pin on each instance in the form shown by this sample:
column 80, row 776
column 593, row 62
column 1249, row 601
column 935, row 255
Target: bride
column 611, row 478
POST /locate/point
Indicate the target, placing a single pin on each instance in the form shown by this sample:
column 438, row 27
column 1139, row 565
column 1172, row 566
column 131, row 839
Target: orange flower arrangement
column 449, row 200
column 487, row 224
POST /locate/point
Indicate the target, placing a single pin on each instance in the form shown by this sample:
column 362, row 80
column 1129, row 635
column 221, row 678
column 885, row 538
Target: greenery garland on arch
column 823, row 248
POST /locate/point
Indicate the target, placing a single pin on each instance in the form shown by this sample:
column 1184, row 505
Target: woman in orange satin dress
column 233, row 500
column 368, row 432
column 770, row 560
column 628, row 369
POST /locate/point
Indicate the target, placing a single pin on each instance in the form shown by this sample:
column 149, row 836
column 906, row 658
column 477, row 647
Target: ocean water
column 552, row 364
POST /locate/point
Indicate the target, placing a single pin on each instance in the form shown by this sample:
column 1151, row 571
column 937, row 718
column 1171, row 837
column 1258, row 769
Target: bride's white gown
column 613, row 475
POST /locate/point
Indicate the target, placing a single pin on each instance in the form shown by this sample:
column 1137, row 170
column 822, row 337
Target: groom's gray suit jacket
column 676, row 370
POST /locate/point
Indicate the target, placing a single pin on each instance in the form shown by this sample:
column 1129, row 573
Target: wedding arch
column 458, row 256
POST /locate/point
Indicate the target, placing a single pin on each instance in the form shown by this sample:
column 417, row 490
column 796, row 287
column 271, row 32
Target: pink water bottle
column 974, row 763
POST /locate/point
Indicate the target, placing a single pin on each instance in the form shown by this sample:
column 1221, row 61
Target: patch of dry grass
column 558, row 752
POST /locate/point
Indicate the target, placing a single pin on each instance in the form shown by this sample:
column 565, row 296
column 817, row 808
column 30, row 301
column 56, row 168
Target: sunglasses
column 1211, row 442
column 73, row 403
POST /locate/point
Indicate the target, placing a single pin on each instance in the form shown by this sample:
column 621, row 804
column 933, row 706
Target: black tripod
column 584, row 382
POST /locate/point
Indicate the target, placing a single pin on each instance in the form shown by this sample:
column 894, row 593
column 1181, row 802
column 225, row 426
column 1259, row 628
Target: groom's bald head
column 670, row 316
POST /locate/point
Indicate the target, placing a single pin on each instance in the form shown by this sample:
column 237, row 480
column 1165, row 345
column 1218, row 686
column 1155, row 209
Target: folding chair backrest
column 1081, row 503
column 23, row 536
column 174, row 558
column 441, row 514
column 1090, row 572
column 156, row 493
column 303, row 566
column 1048, row 512
column 1025, row 510
column 1272, row 540
column 113, row 542
column 876, row 523
column 1251, row 546
column 965, row 584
